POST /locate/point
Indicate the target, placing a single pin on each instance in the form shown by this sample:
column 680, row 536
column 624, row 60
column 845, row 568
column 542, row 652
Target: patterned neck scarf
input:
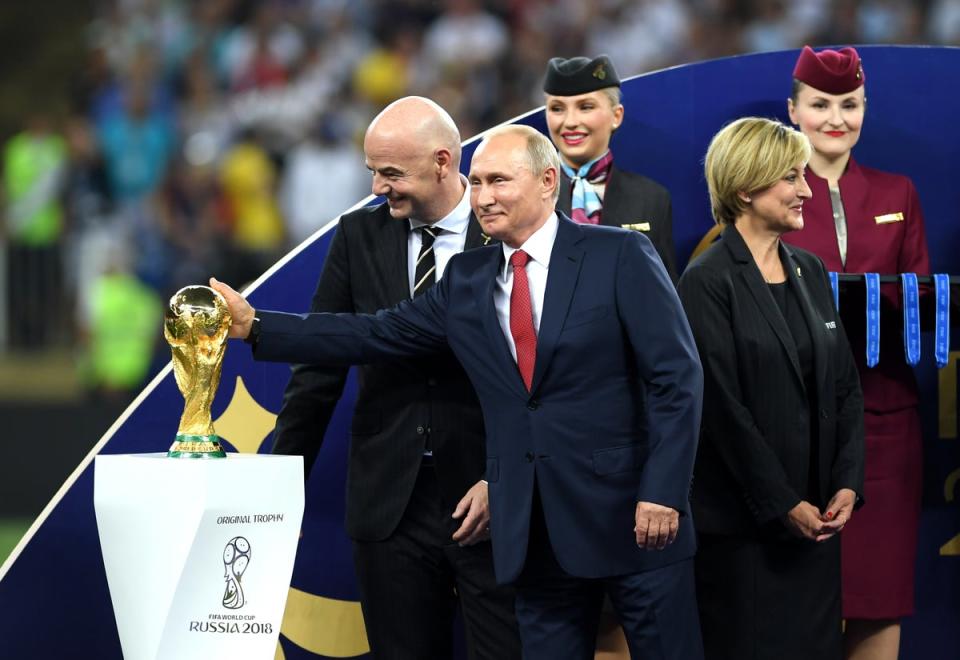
column 585, row 206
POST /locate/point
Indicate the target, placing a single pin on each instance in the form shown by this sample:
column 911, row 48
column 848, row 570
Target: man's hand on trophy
column 240, row 309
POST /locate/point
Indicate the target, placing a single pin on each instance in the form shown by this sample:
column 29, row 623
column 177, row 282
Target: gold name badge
column 888, row 218
column 638, row 226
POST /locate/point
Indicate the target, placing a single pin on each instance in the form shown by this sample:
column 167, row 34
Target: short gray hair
column 541, row 154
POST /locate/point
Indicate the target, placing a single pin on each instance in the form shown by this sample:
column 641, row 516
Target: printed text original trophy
column 195, row 325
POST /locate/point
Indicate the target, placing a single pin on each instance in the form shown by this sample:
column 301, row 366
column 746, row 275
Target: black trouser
column 411, row 582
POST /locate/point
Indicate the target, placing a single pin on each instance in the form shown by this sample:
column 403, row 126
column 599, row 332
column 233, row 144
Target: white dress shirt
column 448, row 242
column 539, row 246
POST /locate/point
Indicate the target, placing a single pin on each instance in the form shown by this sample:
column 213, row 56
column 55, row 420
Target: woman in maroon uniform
column 864, row 220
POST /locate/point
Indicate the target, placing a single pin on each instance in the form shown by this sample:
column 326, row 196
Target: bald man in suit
column 417, row 507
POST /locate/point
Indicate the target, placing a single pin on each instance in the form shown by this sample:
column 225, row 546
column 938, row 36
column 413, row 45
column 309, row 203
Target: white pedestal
column 198, row 552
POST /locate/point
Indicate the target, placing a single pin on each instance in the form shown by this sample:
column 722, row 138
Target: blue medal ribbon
column 911, row 318
column 835, row 287
column 941, row 283
column 872, row 281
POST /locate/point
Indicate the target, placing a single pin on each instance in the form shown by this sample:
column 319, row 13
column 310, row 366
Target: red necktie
column 521, row 317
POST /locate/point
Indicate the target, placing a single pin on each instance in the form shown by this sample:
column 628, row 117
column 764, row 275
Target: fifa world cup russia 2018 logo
column 236, row 558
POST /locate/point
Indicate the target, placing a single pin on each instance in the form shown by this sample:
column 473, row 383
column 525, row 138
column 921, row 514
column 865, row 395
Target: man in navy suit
column 591, row 388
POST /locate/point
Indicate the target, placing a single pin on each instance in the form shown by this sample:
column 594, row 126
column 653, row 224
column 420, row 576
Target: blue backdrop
column 53, row 595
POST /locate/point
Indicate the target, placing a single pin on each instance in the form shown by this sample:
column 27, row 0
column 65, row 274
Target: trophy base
column 196, row 446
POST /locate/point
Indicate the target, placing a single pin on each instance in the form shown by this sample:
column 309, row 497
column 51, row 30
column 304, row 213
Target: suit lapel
column 758, row 288
column 798, row 280
column 562, row 274
column 483, row 292
column 818, row 210
column 616, row 201
column 484, row 283
column 391, row 248
column 853, row 191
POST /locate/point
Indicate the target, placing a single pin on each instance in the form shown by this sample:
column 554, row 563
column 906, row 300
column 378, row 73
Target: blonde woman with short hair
column 780, row 464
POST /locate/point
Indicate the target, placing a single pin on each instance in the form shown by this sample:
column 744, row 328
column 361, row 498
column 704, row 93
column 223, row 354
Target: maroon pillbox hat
column 830, row 71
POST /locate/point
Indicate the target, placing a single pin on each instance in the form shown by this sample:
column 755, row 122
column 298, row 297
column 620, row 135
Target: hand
column 804, row 520
column 474, row 508
column 838, row 513
column 656, row 525
column 240, row 309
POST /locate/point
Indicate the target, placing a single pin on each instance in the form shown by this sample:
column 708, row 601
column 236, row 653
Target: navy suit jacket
column 613, row 414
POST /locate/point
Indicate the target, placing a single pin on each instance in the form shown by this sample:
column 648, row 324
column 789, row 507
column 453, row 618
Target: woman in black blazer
column 780, row 463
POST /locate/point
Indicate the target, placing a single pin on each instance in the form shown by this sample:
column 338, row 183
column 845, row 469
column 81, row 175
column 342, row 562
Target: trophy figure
column 195, row 325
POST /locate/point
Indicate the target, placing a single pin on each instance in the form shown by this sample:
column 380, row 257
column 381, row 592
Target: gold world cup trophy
column 195, row 325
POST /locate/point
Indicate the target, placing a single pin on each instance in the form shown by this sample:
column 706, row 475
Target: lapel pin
column 486, row 239
column 799, row 274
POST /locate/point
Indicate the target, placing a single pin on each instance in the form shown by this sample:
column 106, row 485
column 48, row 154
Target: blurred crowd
column 212, row 136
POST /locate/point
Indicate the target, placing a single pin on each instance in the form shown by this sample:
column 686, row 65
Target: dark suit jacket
column 633, row 199
column 752, row 465
column 398, row 403
column 614, row 347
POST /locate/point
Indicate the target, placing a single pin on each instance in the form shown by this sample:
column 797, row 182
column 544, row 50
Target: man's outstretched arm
column 412, row 328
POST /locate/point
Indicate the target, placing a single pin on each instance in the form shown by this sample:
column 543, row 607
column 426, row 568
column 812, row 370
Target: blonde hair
column 613, row 94
column 746, row 156
column 541, row 154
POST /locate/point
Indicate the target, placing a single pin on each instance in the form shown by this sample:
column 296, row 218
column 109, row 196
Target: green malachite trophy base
column 196, row 446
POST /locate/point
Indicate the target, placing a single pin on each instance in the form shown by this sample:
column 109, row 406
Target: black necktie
column 425, row 272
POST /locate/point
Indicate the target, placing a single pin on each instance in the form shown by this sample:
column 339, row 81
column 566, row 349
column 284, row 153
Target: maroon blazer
column 885, row 234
